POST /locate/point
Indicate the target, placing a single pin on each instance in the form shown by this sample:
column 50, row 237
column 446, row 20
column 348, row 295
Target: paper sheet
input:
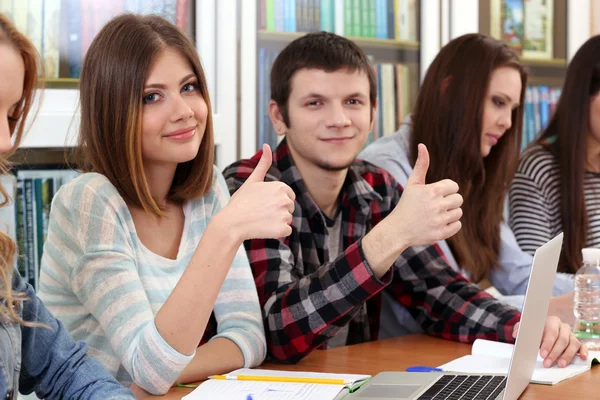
column 239, row 390
column 494, row 358
column 298, row 374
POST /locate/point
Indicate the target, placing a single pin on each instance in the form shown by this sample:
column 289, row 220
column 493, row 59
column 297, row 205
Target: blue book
column 262, row 95
column 292, row 6
column 544, row 106
column 279, row 16
column 529, row 123
column 74, row 55
column 381, row 19
column 391, row 19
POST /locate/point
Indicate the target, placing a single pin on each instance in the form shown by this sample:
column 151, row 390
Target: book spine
column 356, row 18
column 181, row 14
column 372, row 18
column 262, row 21
column 74, row 45
column 317, row 15
column 397, row 20
column 411, row 22
column 20, row 218
column 270, row 13
column 262, row 94
column 39, row 223
column 279, row 17
column 544, row 106
column 51, row 38
column 291, row 5
column 348, row 30
column 30, row 240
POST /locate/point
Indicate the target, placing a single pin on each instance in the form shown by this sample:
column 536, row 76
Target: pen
column 421, row 368
column 249, row 397
column 324, row 381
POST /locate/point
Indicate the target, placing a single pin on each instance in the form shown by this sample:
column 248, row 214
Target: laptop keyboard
column 471, row 387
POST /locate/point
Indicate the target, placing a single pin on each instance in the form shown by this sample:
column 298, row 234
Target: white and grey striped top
column 535, row 215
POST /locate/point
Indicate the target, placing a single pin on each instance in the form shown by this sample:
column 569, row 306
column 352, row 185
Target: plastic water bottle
column 586, row 304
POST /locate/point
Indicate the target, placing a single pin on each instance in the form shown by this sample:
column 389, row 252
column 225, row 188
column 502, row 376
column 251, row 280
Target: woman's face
column 502, row 97
column 12, row 71
column 174, row 114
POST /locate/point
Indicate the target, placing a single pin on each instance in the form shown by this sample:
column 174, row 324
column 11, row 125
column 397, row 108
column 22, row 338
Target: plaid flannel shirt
column 306, row 301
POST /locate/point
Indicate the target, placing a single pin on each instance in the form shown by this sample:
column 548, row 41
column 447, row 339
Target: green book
column 348, row 31
column 270, row 14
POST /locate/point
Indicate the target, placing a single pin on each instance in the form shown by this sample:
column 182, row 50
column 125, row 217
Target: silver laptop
column 439, row 385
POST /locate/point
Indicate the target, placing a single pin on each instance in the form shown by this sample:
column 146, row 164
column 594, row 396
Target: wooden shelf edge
column 59, row 83
column 540, row 62
column 361, row 41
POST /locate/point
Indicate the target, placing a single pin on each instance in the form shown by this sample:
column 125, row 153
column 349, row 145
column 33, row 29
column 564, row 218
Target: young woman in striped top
column 469, row 115
column 557, row 185
column 144, row 258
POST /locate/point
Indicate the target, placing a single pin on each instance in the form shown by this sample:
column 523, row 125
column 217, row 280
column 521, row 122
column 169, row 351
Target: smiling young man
column 357, row 236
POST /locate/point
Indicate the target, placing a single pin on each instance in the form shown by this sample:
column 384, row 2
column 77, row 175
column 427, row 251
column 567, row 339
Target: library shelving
column 62, row 30
column 544, row 53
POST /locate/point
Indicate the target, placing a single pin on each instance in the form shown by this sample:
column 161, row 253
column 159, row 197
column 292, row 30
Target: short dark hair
column 319, row 50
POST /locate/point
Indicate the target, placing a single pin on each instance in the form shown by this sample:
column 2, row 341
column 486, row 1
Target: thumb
column 258, row 175
column 419, row 173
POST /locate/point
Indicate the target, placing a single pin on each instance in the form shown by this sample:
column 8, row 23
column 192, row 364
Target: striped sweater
column 106, row 286
column 535, row 215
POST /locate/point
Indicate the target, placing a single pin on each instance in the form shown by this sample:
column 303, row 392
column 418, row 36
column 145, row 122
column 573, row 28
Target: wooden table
column 399, row 353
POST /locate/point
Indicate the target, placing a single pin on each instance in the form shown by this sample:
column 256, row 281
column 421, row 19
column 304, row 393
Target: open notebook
column 232, row 389
column 494, row 357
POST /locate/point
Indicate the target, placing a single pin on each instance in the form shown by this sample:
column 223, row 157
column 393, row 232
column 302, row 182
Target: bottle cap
column 591, row 255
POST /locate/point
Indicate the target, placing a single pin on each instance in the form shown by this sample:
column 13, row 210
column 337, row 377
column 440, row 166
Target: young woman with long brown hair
column 469, row 114
column 144, row 257
column 557, row 184
column 36, row 351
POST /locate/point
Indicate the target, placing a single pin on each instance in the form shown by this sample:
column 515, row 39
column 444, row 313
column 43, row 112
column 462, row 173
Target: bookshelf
column 42, row 162
column 547, row 70
column 550, row 71
column 387, row 30
column 206, row 21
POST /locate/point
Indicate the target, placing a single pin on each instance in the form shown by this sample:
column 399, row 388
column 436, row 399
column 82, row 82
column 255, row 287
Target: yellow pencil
column 289, row 379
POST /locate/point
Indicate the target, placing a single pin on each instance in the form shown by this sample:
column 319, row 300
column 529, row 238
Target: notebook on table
column 441, row 385
column 263, row 384
column 490, row 357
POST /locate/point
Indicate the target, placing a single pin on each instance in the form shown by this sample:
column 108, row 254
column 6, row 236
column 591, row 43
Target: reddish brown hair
column 16, row 124
column 112, row 84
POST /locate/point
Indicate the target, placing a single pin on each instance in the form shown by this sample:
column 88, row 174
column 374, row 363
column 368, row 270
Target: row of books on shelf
column 396, row 92
column 62, row 30
column 297, row 15
column 397, row 88
column 540, row 103
column 25, row 219
column 382, row 19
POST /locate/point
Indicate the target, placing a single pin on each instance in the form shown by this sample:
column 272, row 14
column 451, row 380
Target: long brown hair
column 565, row 137
column 16, row 124
column 448, row 120
column 111, row 90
